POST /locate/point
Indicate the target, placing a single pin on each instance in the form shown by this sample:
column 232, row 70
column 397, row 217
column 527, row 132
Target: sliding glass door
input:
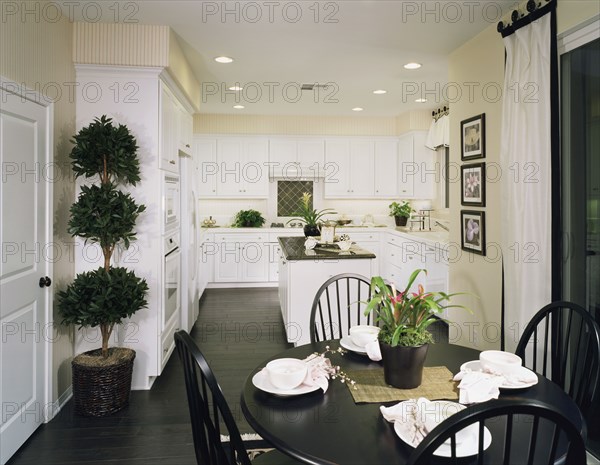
column 580, row 189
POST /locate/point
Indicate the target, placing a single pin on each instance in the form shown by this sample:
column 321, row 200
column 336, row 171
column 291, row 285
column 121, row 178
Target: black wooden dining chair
column 562, row 343
column 550, row 431
column 210, row 414
column 339, row 304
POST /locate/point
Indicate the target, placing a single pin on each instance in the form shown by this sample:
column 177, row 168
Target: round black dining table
column 325, row 428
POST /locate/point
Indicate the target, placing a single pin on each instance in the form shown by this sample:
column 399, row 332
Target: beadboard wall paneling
column 294, row 125
column 121, row 44
column 37, row 53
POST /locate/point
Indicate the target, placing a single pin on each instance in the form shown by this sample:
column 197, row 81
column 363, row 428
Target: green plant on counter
column 248, row 219
column 309, row 215
column 400, row 209
column 405, row 316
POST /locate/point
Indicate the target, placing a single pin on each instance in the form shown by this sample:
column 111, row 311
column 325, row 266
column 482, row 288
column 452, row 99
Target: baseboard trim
column 239, row 285
column 59, row 403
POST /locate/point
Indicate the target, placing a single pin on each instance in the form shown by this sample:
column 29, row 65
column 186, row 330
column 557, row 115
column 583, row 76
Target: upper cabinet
column 233, row 167
column 417, row 174
column 176, row 127
column 352, row 167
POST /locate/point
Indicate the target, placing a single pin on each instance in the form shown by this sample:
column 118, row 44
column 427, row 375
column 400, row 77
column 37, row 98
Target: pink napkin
column 319, row 370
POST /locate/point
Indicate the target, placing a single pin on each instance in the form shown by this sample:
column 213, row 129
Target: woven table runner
column 370, row 386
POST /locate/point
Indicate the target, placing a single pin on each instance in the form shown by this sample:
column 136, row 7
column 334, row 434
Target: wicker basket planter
column 101, row 386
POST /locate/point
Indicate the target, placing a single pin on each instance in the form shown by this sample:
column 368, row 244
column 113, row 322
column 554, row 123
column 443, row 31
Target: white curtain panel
column 526, row 168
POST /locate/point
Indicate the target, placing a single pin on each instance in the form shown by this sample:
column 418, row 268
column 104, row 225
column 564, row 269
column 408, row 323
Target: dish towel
column 373, row 351
column 481, row 385
column 319, row 371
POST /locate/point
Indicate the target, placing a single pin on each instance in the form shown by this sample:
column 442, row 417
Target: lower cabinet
column 241, row 258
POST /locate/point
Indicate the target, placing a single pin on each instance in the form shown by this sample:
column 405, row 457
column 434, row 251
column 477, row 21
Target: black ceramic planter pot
column 311, row 230
column 403, row 366
column 401, row 220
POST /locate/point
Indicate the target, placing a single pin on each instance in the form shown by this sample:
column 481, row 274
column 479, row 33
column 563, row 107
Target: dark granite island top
column 293, row 249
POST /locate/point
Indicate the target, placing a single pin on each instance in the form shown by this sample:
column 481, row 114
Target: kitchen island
column 302, row 272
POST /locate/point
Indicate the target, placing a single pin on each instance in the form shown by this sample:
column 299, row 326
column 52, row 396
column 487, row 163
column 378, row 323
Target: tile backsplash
column 289, row 196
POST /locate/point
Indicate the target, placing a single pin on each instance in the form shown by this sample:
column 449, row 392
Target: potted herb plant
column 404, row 318
column 311, row 217
column 248, row 219
column 102, row 298
column 401, row 212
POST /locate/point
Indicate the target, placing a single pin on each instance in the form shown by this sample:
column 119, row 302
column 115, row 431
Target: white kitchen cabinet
column 417, row 176
column 242, row 168
column 308, row 154
column 169, row 154
column 241, row 258
column 185, row 123
column 386, row 168
column 205, row 154
column 349, row 168
column 370, row 241
column 406, row 166
column 207, row 251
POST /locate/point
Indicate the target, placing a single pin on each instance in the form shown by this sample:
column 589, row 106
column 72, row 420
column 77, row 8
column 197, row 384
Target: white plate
column 261, row 381
column 347, row 343
column 475, row 365
column 465, row 448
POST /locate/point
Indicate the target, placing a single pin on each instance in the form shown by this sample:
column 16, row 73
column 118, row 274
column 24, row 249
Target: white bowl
column 345, row 245
column 361, row 335
column 286, row 373
column 497, row 361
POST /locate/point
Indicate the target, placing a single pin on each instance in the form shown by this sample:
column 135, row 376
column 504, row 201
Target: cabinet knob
column 187, row 145
column 45, row 281
column 172, row 162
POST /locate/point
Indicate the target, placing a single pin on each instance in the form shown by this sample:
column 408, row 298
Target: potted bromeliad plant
column 103, row 297
column 311, row 217
column 404, row 318
column 401, row 212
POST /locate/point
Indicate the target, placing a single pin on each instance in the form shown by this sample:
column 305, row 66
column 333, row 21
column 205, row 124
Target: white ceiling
column 363, row 51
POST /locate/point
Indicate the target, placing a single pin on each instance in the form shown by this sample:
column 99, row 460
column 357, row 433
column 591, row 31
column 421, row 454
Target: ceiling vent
column 313, row 86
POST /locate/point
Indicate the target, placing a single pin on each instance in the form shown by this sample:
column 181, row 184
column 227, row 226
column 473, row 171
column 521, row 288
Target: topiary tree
column 105, row 216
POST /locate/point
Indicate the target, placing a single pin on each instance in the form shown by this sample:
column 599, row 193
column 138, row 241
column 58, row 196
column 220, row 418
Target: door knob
column 45, row 281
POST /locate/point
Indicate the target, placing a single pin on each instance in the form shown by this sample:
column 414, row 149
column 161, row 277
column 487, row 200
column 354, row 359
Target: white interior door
column 25, row 219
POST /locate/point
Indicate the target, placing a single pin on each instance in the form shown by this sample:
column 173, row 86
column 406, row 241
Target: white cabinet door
column 255, row 262
column 311, row 153
column 169, row 157
column 386, row 168
column 229, row 161
column 337, row 168
column 227, row 262
column 406, row 167
column 282, row 151
column 426, row 177
column 362, row 158
column 205, row 155
column 254, row 169
column 185, row 129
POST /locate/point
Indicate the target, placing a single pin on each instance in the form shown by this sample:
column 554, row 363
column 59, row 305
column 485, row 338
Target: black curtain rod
column 536, row 11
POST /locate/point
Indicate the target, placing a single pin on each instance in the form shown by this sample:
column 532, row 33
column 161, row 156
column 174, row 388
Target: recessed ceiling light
column 380, row 91
column 236, row 88
column 421, row 100
column 412, row 65
column 223, row 60
column 357, row 109
column 239, row 107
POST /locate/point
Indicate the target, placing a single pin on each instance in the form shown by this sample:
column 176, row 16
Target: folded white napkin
column 414, row 418
column 319, row 370
column 480, row 386
column 373, row 351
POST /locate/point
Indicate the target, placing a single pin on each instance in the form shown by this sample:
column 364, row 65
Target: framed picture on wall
column 472, row 183
column 472, row 225
column 472, row 137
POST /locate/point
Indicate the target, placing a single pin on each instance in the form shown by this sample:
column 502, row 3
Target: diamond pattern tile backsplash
column 289, row 196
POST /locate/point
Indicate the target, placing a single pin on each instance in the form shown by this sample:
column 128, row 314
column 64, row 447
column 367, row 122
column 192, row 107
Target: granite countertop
column 293, row 249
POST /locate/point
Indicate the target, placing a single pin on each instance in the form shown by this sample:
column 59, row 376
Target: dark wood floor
column 236, row 329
